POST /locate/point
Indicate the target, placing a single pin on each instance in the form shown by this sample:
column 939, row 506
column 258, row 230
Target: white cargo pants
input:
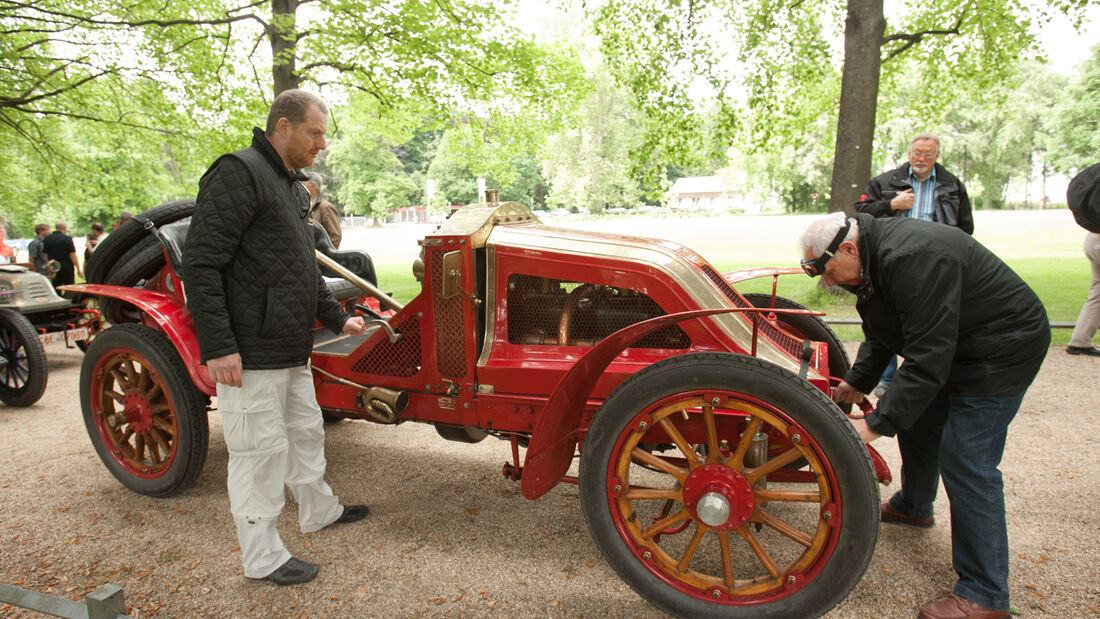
column 275, row 435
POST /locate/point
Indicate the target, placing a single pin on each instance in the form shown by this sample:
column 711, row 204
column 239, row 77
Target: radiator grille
column 544, row 311
column 400, row 359
column 450, row 333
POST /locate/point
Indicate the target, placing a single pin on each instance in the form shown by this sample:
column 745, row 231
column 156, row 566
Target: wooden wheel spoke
column 114, row 395
column 692, row 546
column 658, row 527
column 154, row 392
column 784, row 528
column 162, row 408
column 644, row 457
column 738, row 458
column 139, row 446
column 131, row 372
column 772, row 465
column 727, row 559
column 760, row 552
column 162, row 445
column 165, row 426
column 694, row 461
column 713, row 455
column 798, row 496
column 640, row 493
column 120, row 379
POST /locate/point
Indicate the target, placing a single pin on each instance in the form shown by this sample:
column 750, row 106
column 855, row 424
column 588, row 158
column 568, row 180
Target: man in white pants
column 254, row 292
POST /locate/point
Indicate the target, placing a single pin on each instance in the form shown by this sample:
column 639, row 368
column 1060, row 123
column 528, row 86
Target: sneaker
column 880, row 390
column 293, row 572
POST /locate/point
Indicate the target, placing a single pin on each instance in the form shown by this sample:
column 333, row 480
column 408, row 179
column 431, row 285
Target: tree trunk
column 863, row 32
column 283, row 36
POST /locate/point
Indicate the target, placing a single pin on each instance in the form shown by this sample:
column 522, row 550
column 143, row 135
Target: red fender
column 170, row 315
column 554, row 438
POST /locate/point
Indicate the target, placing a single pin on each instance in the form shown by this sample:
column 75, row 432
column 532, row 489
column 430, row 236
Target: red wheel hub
column 138, row 412
column 719, row 496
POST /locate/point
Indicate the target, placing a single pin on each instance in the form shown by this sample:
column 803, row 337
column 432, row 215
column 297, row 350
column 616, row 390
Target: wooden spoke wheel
column 686, row 488
column 22, row 361
column 146, row 419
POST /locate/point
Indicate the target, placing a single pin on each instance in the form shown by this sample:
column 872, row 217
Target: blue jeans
column 962, row 439
column 890, row 372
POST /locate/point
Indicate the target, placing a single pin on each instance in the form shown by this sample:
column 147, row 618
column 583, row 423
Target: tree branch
column 912, row 39
column 162, row 23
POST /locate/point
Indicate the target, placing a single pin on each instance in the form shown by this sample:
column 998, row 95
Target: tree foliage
column 1076, row 126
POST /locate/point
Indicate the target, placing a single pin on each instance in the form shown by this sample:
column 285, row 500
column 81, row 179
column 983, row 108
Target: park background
column 711, row 117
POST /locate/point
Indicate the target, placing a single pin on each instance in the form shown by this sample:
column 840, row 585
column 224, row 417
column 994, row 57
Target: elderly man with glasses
column 974, row 336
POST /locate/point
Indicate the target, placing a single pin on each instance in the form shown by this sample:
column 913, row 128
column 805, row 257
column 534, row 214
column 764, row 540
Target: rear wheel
column 714, row 524
column 807, row 327
column 145, row 417
column 23, row 368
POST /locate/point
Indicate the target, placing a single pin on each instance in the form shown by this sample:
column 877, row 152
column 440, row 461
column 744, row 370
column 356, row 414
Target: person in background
column 322, row 210
column 59, row 246
column 973, row 335
column 90, row 241
column 36, row 250
column 123, row 217
column 921, row 189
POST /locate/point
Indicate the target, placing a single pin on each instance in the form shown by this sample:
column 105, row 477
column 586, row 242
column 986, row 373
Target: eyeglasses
column 816, row 266
column 916, row 155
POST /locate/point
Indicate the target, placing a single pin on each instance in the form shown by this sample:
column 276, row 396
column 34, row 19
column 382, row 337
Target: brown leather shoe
column 957, row 607
column 889, row 514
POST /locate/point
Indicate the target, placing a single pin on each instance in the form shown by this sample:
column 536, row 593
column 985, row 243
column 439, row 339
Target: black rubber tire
column 108, row 252
column 837, row 443
column 331, row 418
column 812, row 327
column 137, row 264
column 23, row 374
column 167, row 378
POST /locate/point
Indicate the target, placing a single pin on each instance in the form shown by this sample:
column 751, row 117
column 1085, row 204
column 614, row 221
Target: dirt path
column 449, row 536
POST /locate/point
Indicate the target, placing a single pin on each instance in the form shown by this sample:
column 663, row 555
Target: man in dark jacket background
column 973, row 335
column 254, row 291
column 920, row 189
column 59, row 246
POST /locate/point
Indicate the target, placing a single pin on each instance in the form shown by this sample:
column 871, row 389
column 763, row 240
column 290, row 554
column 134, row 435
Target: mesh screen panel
column 450, row 333
column 539, row 308
column 786, row 342
column 400, row 359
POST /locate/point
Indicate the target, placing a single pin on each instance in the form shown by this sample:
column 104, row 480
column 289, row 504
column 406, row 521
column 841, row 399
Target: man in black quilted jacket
column 254, row 292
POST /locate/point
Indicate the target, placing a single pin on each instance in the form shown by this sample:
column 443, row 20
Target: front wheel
column 686, row 489
column 145, row 417
column 23, row 366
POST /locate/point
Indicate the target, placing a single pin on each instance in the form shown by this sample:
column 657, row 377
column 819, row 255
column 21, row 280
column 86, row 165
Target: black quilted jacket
column 251, row 278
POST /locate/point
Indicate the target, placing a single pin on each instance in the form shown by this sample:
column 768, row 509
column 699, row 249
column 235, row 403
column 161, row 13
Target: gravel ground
column 449, row 536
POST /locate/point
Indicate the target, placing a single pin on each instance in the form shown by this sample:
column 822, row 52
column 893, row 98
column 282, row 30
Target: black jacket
column 961, row 318
column 951, row 204
column 252, row 282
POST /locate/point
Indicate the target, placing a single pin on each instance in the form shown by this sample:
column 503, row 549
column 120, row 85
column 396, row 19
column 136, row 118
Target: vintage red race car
column 716, row 475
